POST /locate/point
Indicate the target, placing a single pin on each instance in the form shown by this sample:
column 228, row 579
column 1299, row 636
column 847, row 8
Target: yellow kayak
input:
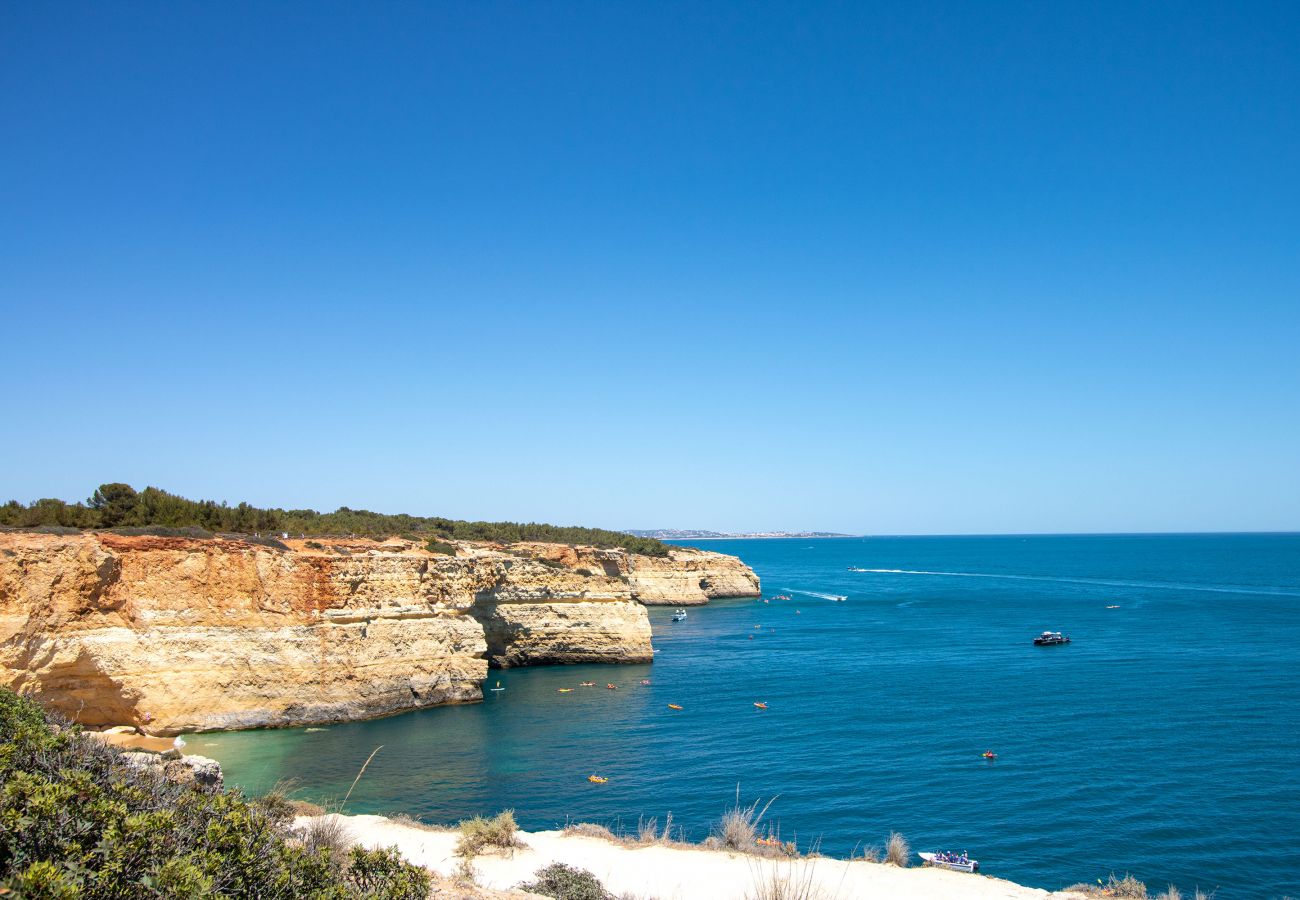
column 673, row 706
column 597, row 779
column 565, row 690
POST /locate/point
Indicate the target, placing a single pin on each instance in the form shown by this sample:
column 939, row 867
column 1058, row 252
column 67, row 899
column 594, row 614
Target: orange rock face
column 177, row 634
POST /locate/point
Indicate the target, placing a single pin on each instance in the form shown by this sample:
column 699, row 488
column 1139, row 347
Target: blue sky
column 907, row 268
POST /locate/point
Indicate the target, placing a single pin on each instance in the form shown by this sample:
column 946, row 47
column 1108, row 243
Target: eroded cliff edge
column 181, row 634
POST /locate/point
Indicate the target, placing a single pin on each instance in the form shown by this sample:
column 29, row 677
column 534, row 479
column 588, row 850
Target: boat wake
column 1162, row 585
column 817, row 594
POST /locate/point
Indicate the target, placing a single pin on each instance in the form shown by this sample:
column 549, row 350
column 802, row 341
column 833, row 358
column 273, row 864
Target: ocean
column 1163, row 741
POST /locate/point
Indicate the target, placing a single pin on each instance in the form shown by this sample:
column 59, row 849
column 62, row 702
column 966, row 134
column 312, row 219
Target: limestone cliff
column 686, row 577
column 179, row 634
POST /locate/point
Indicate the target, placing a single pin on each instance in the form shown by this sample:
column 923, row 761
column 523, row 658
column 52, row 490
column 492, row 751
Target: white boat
column 958, row 862
column 679, row 615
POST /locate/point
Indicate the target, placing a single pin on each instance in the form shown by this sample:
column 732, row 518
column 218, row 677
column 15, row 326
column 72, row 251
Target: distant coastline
column 687, row 534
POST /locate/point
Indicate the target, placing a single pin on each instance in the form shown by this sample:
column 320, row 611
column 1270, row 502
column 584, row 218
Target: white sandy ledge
column 676, row 873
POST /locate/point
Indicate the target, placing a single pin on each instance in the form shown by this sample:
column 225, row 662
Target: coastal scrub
column 76, row 821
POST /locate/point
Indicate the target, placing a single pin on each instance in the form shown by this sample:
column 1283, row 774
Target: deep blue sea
column 1164, row 741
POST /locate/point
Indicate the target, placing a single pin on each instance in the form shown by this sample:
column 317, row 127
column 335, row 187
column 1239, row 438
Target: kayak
column 586, row 684
column 612, row 687
column 597, row 779
column 565, row 690
column 673, row 706
column 989, row 754
column 760, row 705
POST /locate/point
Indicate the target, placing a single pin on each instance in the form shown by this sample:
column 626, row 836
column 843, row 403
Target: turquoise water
column 1164, row 741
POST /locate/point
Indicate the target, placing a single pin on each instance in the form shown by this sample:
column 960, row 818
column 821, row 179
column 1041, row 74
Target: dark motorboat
column 1051, row 639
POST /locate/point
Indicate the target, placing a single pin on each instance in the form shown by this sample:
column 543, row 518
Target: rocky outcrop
column 686, row 577
column 689, row 577
column 180, row 634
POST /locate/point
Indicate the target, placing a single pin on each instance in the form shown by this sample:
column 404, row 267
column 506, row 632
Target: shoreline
column 673, row 870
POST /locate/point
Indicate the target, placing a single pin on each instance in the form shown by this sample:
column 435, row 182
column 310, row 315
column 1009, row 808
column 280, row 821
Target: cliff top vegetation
column 118, row 505
column 78, row 821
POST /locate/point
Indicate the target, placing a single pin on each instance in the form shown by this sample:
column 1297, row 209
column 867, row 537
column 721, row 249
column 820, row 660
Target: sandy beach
column 678, row 873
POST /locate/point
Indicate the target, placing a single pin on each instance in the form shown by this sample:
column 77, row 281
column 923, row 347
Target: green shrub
column 566, row 883
column 75, row 821
column 437, row 546
column 479, row 834
column 119, row 505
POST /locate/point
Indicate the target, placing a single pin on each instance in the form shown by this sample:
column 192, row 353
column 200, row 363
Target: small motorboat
column 958, row 862
column 1051, row 639
column 611, row 687
column 679, row 615
column 673, row 706
column 564, row 690
column 597, row 779
column 586, row 684
column 760, row 706
column 839, row 598
column 645, row 680
column 1116, row 606
column 498, row 687
column 989, row 754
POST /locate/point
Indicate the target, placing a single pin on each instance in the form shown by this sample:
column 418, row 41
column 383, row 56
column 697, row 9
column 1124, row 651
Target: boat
column 564, row 690
column 989, row 754
column 645, row 680
column 679, row 615
column 597, row 779
column 1116, row 606
column 760, row 706
column 673, row 706
column 586, row 684
column 1051, row 639
column 958, row 862
column 612, row 687
column 839, row 598
column 498, row 687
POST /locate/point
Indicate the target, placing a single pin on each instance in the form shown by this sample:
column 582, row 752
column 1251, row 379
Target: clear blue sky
column 904, row 268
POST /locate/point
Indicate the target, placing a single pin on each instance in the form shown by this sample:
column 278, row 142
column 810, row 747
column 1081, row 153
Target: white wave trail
column 815, row 594
column 1172, row 586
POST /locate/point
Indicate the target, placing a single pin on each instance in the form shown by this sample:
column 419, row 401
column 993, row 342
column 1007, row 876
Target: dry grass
column 412, row 822
column 1127, row 887
column 870, row 853
column 647, row 830
column 591, row 830
column 792, row 880
column 897, row 851
column 465, row 873
column 328, row 833
column 1172, row 893
column 499, row 833
column 359, row 774
column 738, row 827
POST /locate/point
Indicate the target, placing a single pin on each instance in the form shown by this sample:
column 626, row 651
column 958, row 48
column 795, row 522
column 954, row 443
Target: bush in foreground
column 566, row 883
column 897, row 850
column 479, row 834
column 78, row 822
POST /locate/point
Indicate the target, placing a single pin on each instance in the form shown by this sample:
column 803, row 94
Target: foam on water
column 1218, row 589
